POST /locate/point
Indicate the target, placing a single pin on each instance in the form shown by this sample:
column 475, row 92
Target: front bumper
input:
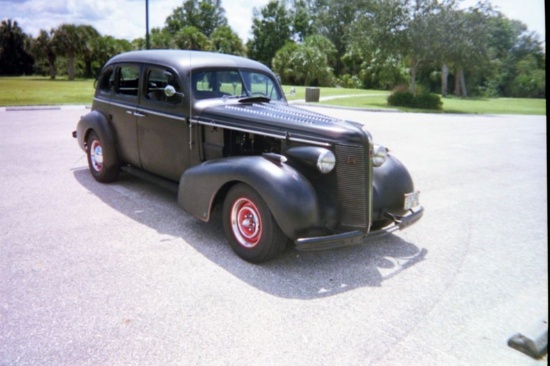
column 357, row 237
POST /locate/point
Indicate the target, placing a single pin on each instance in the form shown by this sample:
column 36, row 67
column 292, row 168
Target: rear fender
column 288, row 194
column 95, row 121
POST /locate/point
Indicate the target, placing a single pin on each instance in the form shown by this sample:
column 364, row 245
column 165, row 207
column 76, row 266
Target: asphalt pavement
column 118, row 274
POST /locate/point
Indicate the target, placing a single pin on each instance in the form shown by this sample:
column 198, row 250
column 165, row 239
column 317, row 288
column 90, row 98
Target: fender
column 96, row 121
column 288, row 194
column 390, row 183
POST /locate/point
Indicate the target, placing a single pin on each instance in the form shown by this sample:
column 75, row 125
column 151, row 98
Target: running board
column 151, row 178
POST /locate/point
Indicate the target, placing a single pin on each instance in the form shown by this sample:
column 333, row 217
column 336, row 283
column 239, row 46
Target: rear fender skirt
column 289, row 195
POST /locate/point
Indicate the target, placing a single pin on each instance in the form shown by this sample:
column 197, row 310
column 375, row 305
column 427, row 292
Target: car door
column 163, row 131
column 122, row 111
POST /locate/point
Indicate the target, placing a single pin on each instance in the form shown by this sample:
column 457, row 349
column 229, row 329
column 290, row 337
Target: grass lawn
column 35, row 90
column 18, row 91
column 377, row 99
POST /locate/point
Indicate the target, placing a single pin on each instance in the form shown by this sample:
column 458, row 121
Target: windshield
column 234, row 83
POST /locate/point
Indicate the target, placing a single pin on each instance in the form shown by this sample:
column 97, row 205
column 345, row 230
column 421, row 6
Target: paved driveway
column 94, row 274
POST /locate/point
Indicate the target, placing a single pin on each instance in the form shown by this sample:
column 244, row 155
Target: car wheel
column 251, row 229
column 96, row 158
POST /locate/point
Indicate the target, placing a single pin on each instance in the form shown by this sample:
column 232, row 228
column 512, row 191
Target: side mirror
column 170, row 91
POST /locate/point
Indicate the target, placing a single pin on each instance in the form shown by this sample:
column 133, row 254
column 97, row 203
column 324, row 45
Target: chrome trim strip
column 156, row 113
column 141, row 109
column 324, row 144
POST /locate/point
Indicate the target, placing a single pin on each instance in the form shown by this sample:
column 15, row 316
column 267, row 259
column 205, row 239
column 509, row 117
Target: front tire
column 249, row 226
column 96, row 160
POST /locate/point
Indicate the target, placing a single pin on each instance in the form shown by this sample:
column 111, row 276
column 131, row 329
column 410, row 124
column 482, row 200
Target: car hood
column 280, row 120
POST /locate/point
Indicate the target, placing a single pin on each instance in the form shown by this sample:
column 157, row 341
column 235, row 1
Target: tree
column 271, row 29
column 43, row 49
column 107, row 47
column 334, row 20
column 530, row 80
column 205, row 15
column 524, row 63
column 191, row 38
column 14, row 59
column 302, row 21
column 377, row 43
column 421, row 30
column 224, row 40
column 89, row 47
column 67, row 40
column 308, row 62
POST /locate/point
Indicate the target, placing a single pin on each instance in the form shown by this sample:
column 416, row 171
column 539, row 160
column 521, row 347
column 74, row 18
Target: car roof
column 184, row 60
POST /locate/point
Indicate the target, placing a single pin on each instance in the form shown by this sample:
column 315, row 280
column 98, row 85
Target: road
column 112, row 274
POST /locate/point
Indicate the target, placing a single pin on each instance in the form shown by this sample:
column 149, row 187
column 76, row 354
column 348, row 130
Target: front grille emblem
column 351, row 160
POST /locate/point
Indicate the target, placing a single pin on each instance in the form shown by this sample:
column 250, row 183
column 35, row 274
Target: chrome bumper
column 357, row 236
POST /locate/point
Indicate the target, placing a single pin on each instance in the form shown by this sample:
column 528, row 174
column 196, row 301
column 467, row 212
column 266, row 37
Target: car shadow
column 294, row 274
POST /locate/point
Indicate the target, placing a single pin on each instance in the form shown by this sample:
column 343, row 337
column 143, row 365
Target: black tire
column 94, row 150
column 249, row 226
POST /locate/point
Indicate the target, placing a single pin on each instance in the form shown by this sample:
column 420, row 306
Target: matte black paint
column 290, row 197
column 173, row 141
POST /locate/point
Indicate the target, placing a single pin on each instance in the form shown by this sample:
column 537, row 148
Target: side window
column 106, row 80
column 128, row 80
column 156, row 80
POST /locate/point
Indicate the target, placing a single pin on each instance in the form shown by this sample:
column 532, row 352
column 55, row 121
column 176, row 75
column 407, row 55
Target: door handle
column 139, row 114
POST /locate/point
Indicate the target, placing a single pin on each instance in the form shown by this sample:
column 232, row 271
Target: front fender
column 98, row 122
column 390, row 183
column 288, row 194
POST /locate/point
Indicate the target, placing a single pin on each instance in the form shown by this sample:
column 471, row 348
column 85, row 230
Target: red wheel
column 246, row 222
column 96, row 156
column 96, row 160
column 251, row 230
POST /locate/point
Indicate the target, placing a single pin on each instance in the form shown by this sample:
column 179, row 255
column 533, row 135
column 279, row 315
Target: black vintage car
column 218, row 129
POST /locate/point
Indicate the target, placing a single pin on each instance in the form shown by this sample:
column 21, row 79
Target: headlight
column 379, row 155
column 315, row 157
column 326, row 162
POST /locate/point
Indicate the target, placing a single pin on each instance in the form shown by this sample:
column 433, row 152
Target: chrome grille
column 351, row 166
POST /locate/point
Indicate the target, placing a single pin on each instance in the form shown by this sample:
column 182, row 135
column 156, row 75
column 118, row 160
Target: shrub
column 402, row 97
column 348, row 81
column 427, row 101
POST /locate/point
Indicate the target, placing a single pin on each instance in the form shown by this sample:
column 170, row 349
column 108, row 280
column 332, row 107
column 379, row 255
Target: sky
column 126, row 18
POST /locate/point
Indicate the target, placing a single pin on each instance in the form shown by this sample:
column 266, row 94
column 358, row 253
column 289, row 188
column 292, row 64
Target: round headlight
column 379, row 155
column 326, row 161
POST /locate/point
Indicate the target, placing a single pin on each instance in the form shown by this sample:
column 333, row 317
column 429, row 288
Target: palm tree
column 42, row 48
column 89, row 41
column 68, row 41
column 191, row 38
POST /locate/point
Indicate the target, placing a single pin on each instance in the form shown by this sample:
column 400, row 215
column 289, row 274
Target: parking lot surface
column 112, row 274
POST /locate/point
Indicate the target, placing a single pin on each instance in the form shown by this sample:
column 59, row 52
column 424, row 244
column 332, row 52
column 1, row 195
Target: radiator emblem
column 351, row 160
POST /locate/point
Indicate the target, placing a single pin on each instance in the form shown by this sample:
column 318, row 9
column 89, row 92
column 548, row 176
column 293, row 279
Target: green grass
column 22, row 91
column 377, row 99
column 19, row 91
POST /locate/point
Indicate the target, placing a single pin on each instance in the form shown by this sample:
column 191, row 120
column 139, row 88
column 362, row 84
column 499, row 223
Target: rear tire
column 250, row 227
column 95, row 151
